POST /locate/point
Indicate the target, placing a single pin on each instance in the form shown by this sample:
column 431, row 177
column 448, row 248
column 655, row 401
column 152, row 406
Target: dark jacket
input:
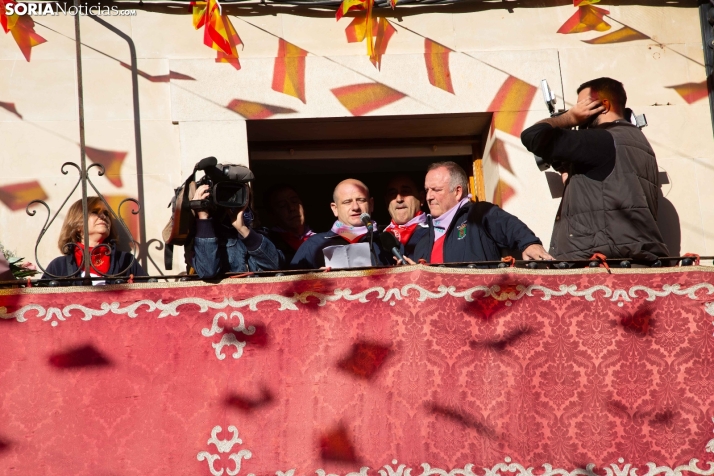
column 310, row 256
column 420, row 232
column 476, row 233
column 66, row 266
column 618, row 215
column 218, row 249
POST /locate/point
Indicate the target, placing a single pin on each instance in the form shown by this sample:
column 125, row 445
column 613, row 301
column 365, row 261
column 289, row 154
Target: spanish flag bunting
column 221, row 57
column 131, row 220
column 363, row 98
column 502, row 193
column 111, row 161
column 289, row 70
column 437, row 65
column 582, row 3
column 256, row 110
column 7, row 22
column 587, row 18
column 499, row 155
column 198, row 12
column 385, row 31
column 351, row 5
column 10, row 107
column 511, row 105
column 18, row 195
column 22, row 29
column 356, row 31
column 620, row 36
column 692, row 92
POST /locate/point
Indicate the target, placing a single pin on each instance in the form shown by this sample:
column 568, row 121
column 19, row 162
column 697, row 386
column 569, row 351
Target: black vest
column 618, row 216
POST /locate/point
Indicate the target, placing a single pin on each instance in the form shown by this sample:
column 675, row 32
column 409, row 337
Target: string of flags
column 21, row 27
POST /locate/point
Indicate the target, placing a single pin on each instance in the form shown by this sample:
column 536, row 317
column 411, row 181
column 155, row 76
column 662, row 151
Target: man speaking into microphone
column 352, row 206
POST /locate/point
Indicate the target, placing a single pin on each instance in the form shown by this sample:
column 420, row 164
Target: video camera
column 228, row 185
column 550, row 100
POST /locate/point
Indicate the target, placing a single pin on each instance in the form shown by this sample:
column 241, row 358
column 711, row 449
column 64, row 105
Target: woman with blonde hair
column 106, row 258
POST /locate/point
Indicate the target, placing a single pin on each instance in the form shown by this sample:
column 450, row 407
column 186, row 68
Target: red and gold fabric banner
column 587, row 18
column 363, row 98
column 511, row 105
column 218, row 31
column 21, row 27
column 413, row 371
column 289, row 70
column 437, row 65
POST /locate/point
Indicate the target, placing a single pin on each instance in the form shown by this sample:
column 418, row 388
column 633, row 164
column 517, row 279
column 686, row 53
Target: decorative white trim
column 510, row 468
column 228, row 339
column 224, row 446
column 55, row 315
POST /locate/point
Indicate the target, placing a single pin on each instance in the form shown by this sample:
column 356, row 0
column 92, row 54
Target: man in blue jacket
column 350, row 200
column 464, row 231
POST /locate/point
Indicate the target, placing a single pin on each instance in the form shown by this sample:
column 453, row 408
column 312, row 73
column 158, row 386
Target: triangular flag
column 24, row 34
column 499, row 155
column 363, row 98
column 111, row 161
column 198, row 13
column 18, row 195
column 221, row 57
column 351, row 5
column 587, row 18
column 10, row 107
column 289, row 70
column 7, row 22
column 620, row 36
column 502, row 193
column 131, row 220
column 579, row 3
column 385, row 31
column 691, row 92
column 437, row 65
column 511, row 105
column 256, row 110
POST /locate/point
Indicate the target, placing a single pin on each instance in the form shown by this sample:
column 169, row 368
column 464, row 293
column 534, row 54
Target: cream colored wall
column 185, row 120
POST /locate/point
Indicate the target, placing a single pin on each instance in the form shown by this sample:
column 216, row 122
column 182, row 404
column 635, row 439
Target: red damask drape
column 408, row 372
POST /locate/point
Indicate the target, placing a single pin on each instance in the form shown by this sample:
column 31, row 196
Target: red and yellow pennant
column 256, row 110
column 582, row 3
column 502, row 193
column 376, row 32
column 111, row 160
column 131, row 220
column 620, row 36
column 10, row 107
column 692, row 92
column 587, row 18
column 22, row 29
column 17, row 196
column 218, row 31
column 289, row 70
column 511, row 105
column 437, row 65
column 363, row 98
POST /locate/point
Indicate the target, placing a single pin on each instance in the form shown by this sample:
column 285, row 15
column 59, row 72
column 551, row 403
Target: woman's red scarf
column 98, row 255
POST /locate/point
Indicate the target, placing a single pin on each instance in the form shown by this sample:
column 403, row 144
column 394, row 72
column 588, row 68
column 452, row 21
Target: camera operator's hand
column 201, row 194
column 239, row 223
column 584, row 110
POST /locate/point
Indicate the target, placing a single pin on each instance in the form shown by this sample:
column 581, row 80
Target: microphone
column 389, row 242
column 206, row 163
column 367, row 221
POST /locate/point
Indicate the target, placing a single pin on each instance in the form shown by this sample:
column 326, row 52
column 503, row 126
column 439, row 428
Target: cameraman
column 610, row 174
column 225, row 243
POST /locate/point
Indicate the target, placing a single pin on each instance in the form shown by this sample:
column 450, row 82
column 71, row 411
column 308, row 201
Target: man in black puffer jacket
column 464, row 231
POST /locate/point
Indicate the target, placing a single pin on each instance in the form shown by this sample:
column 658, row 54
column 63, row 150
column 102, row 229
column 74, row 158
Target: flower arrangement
column 20, row 269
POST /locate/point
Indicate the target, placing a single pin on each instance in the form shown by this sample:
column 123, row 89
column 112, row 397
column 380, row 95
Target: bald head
column 350, row 199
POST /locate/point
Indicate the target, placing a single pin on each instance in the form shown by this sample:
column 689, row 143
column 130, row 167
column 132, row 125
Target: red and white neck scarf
column 405, row 231
column 350, row 233
column 292, row 239
column 98, row 256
